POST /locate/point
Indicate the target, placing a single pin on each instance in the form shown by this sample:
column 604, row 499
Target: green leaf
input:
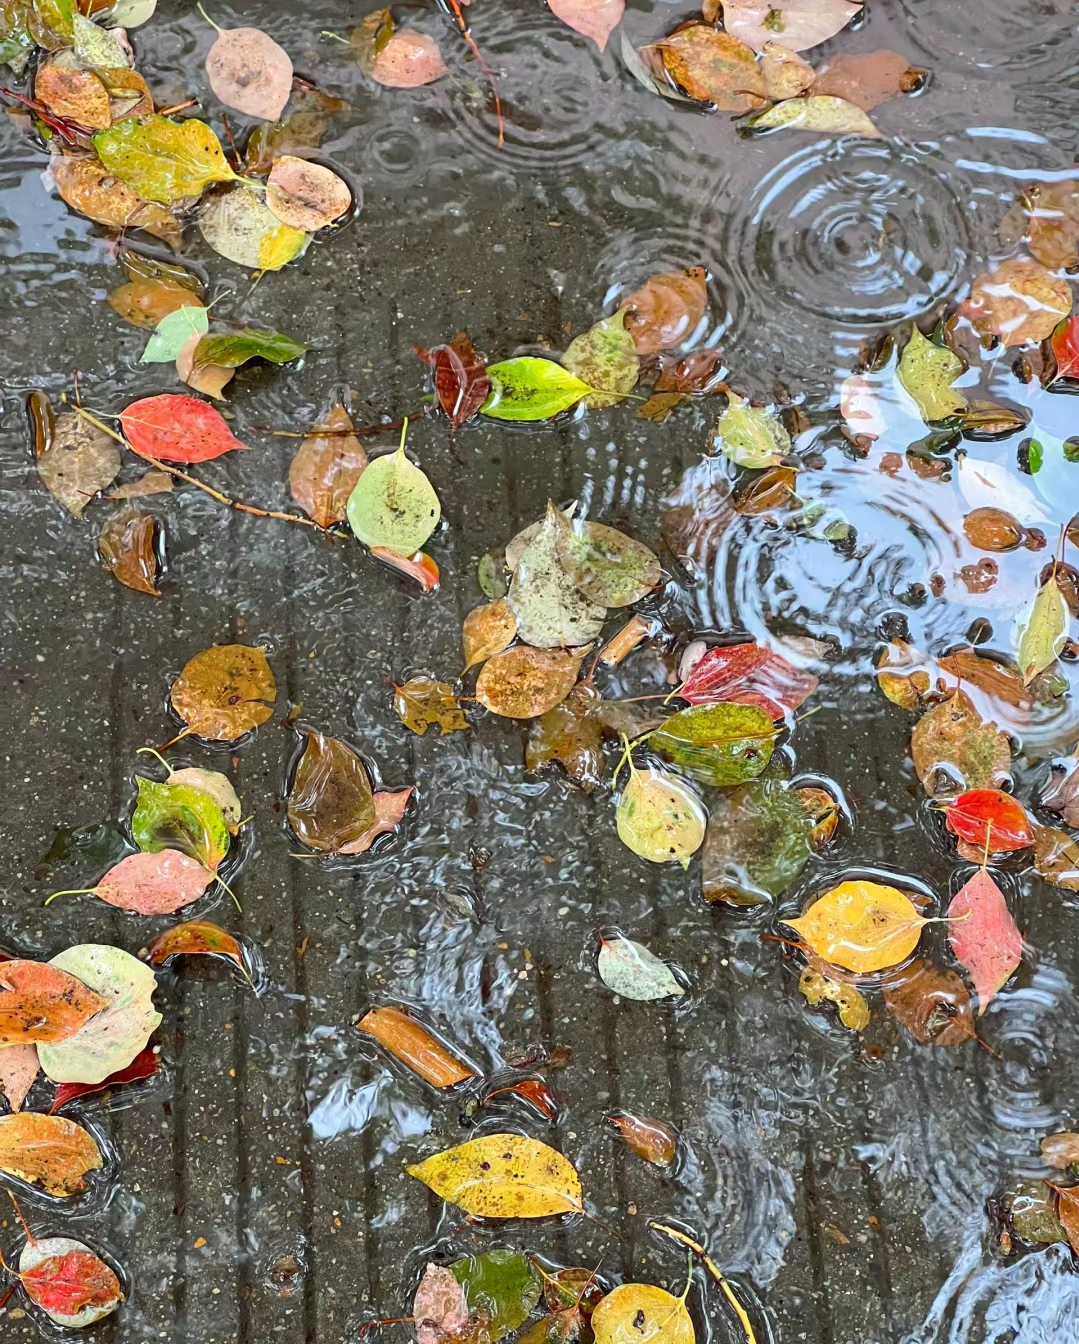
column 820, row 113
column 927, row 372
column 550, row 611
column 173, row 332
column 491, row 576
column 1035, row 457
column 163, row 160
column 750, row 436
column 659, row 817
column 25, row 24
column 605, row 357
column 605, row 565
column 233, row 348
column 177, row 816
column 96, row 47
column 1045, row 631
column 756, row 844
column 531, row 389
column 393, row 505
column 501, row 1284
column 239, row 225
column 1071, row 450
column 718, row 744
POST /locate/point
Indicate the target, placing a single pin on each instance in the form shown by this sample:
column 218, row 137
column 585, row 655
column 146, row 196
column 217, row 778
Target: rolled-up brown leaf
column 415, row 1046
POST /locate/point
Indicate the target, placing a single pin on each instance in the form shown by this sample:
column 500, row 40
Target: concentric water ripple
column 1020, row 37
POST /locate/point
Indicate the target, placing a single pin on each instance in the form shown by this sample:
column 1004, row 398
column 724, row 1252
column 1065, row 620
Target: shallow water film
column 825, row 670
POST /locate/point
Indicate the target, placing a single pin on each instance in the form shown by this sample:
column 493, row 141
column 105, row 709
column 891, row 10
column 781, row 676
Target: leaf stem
column 714, row 1270
column 73, row 891
column 214, row 26
column 152, row 751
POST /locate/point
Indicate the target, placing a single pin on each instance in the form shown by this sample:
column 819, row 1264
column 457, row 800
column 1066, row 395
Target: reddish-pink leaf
column 596, row 19
column 460, row 377
column 69, row 1283
column 990, row 818
column 1065, row 344
column 983, row 935
column 177, row 428
column 389, row 810
column 748, row 674
column 408, row 61
column 419, row 566
column 18, row 1069
column 152, row 884
column 144, row 1065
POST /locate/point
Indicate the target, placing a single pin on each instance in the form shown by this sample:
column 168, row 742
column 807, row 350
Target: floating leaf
column 659, row 817
column 991, row 485
column 815, row 113
column 306, row 195
column 393, row 505
column 849, row 1001
column 438, row 1308
column 641, row 1312
column 79, row 460
column 396, row 58
column 933, row 1004
column 571, row 735
column 993, row 530
column 524, row 682
column 144, row 303
column 749, row 674
column 419, row 567
column 605, row 358
column 174, row 331
column 488, row 630
column 996, row 679
column 163, row 160
column 604, row 565
column 423, row 701
column 19, row 1068
column 550, row 610
column 47, row 1150
column 596, row 19
column 502, row 1176
column 750, row 436
column 1056, row 857
column 537, row 1097
column 798, row 24
column 326, row 468
column 861, row 926
column 300, row 133
column 1044, row 632
column 1050, row 223
column 415, row 1046
column 217, row 787
column 714, row 67
column 667, row 309
column 867, row 78
column 209, row 379
column 1061, row 1150
column 330, row 802
column 96, row 46
column 78, row 95
column 759, row 838
column 632, row 635
column 927, row 372
column 240, row 226
column 176, row 816
column 528, row 388
column 233, row 348
column 718, row 744
column 248, row 71
column 502, row 1286
column 131, row 13
column 389, row 813
column 1019, row 301
column 650, row 1139
column 460, row 376
column 157, row 882
column 785, row 73
column 989, row 821
column 196, row 937
column 177, row 428
column 126, row 544
column 955, row 749
column 39, row 1002
column 71, row 1284
column 224, row 692
column 983, row 935
column 1065, row 345
column 95, row 191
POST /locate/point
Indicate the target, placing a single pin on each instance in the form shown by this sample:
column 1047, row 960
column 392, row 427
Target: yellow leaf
column 639, row 1313
column 853, row 1009
column 503, row 1176
column 862, row 926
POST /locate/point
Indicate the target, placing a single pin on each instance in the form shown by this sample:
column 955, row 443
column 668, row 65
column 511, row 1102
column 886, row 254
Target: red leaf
column 460, row 377
column 748, row 674
column 990, row 818
column 177, row 429
column 1065, row 343
column 144, row 1065
column 984, row 937
column 67, row 1284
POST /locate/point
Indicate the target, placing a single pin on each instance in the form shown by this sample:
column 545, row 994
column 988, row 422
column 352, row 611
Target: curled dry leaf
column 152, row 883
column 224, row 692
column 49, row 1151
column 460, row 377
column 39, row 1002
column 983, row 935
column 330, row 802
column 596, row 19
column 393, row 505
column 1019, row 301
column 239, row 225
column 571, row 735
column 850, row 1003
column 177, row 428
column 635, row 632
column 635, row 1311
column 68, row 1281
column 815, row 113
column 605, row 358
column 389, row 813
column 633, row 972
column 861, row 926
column 550, row 610
column 659, row 817
column 649, row 1138
column 955, row 749
column 524, row 682
column 502, row 1176
column 306, row 195
column 195, row 937
column 667, row 309
column 1056, row 857
column 327, row 465
column 422, row 702
column 19, row 1067
column 415, row 1046
column 932, row 1003
column 488, row 630
column 867, row 78
column 438, row 1308
column 126, row 544
column 248, row 71
column 78, row 462
column 713, row 67
column 94, row 191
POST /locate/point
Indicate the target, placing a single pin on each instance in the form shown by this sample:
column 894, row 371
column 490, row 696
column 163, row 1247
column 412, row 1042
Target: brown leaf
column 488, row 630
column 1019, row 301
column 822, row 811
column 867, row 78
column 439, row 1309
column 1061, row 1150
column 570, row 735
column 666, row 309
column 993, row 530
column 932, row 1003
column 196, row 937
column 326, row 468
column 715, row 68
column 19, row 1067
column 955, row 749
column 460, row 376
column 129, row 95
column 78, row 462
column 152, row 482
column 389, row 813
column 127, row 547
column 39, row 1002
column 776, row 488
column 903, row 674
column 634, row 633
column 523, row 682
column 88, row 187
column 47, row 1150
column 415, row 1046
column 699, row 372
column 423, row 701
column 225, row 691
column 999, row 680
column 1056, row 857
column 650, row 1139
column 78, row 95
column 144, row 303
column 1061, row 794
column 330, row 803
column 1052, row 223
column 659, row 406
column 1068, row 1212
column 694, row 518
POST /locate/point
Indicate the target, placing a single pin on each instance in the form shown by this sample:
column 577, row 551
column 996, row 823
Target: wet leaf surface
column 423, row 702
column 163, row 160
column 155, row 883
column 817, row 987
column 659, row 817
column 571, row 735
column 78, row 462
column 1061, row 794
column 502, row 1286
column 798, row 24
column 748, row 674
column 989, row 821
column 415, row 1046
column 398, row 58
column 487, row 630
column 68, row 1281
column 861, row 926
column 306, row 195
column 126, row 543
column 438, row 1307
column 19, row 1067
column 1019, row 301
column 393, row 505
column 983, row 935
column 641, row 1312
column 757, row 842
column 1056, row 857
column 928, row 372
column 631, row 971
column 604, row 565
column 196, row 937
column 955, row 749
column 240, row 226
column 170, row 816
column 1044, row 630
column 867, row 78
column 177, row 428
column 932, row 1003
column 38, row 1002
column 174, row 331
column 460, row 377
column 249, row 72
column 818, row 112
column 330, row 803
column 224, row 692
column 390, row 807
column 751, row 436
column 666, row 310
column 144, row 1065
column 144, row 303
column 528, row 388
column 605, row 358
column 649, row 1138
column 713, row 67
column 719, row 744
column 49, row 1151
column 92, row 189
column 502, row 1176
column 550, row 609
column 326, row 468
column 596, row 19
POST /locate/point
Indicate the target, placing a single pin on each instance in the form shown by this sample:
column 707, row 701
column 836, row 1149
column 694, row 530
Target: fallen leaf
column 174, row 331
column 249, row 72
column 713, row 67
column 570, row 735
column 209, row 379
column 667, row 309
column 1019, row 301
column 196, row 937
column 758, row 840
column 129, row 94
column 126, row 544
column 38, row 1002
column 861, row 926
column 233, row 348
column 932, row 1003
column 224, row 692
column 818, row 112
column 163, row 160
column 528, row 388
column 78, row 95
column 750, row 436
column 131, row 13
column 423, row 701
column 144, row 1065
column 849, row 1001
column 306, row 195
column 1061, row 1150
column 18, row 1068
column 693, row 520
column 927, row 371
column 460, row 377
column 1032, row 1216
column 749, row 674
column 983, row 935
column 517, row 545
column 1044, row 630
column 393, row 505
column 144, row 303
column 1067, row 1203
column 643, row 1313
column 171, row 816
column 1052, row 223
column 996, row 679
column 720, row 744
column 650, row 1139
column 95, row 46
column 991, row 485
column 326, row 468
column 502, row 1176
column 1056, row 857
column 300, row 133
column 217, row 787
column 659, row 817
column 785, row 73
column 330, row 801
column 955, row 749
column 604, row 565
column 78, row 462
column 47, row 1150
column 71, row 1284
column 605, row 358
column 398, row 58
column 550, row 610
column 1061, row 793
column 537, row 1096
column 157, row 882
column 438, row 1308
column 419, row 567
column 487, row 630
column 524, row 682
column 501, row 1287
column 596, row 19
column 867, row 78
column 993, row 530
column 177, row 428
column 240, row 226
column 415, row 1046
column 989, row 821
column 95, row 191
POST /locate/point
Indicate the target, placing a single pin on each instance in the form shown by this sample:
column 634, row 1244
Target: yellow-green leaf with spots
column 503, row 1176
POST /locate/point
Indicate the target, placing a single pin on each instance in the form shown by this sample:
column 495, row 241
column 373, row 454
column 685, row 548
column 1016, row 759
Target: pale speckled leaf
column 606, row 566
column 596, row 19
column 305, row 195
column 605, row 358
column 751, row 436
column 239, row 225
column 819, row 112
column 393, row 505
column 131, row 13
column 250, row 72
column 550, row 611
column 503, row 1176
column 632, row 972
column 78, row 462
column 659, row 817
column 927, row 372
column 96, row 46
column 173, row 332
column 798, row 24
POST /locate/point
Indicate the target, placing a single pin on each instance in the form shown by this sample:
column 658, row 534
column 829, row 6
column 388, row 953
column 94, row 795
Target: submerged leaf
column 389, row 813
column 70, row 1283
column 224, row 691
column 1056, row 857
column 163, row 160
column 528, row 388
column 718, row 744
column 933, row 1004
column 867, row 78
column 955, row 749
column 551, row 612
column 487, row 630
column 501, row 1286
column 605, row 358
column 714, row 67
column 607, row 567
column 327, row 465
column 438, row 1308
column 642, row 1314
column 750, row 436
column 174, row 331
column 78, row 462
column 849, row 1001
column 927, row 372
column 786, row 74
column 144, row 302
column 983, row 935
column 177, row 428
column 815, row 113
column 248, row 71
column 96, row 192
column 415, row 1046
column 126, row 544
column 330, row 802
column 524, row 682
column 659, row 817
column 759, row 838
column 1044, row 632
column 1019, row 301
column 650, row 1139
column 19, row 1068
column 861, row 926
column 667, row 309
column 393, row 505
column 502, row 1176
column 460, row 377
column 306, row 195
column 240, row 226
column 397, row 58
column 49, row 1151
column 570, row 734
column 423, row 701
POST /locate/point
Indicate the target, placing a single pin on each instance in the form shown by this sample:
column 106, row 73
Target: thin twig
column 178, row 107
column 467, row 35
column 716, row 1273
